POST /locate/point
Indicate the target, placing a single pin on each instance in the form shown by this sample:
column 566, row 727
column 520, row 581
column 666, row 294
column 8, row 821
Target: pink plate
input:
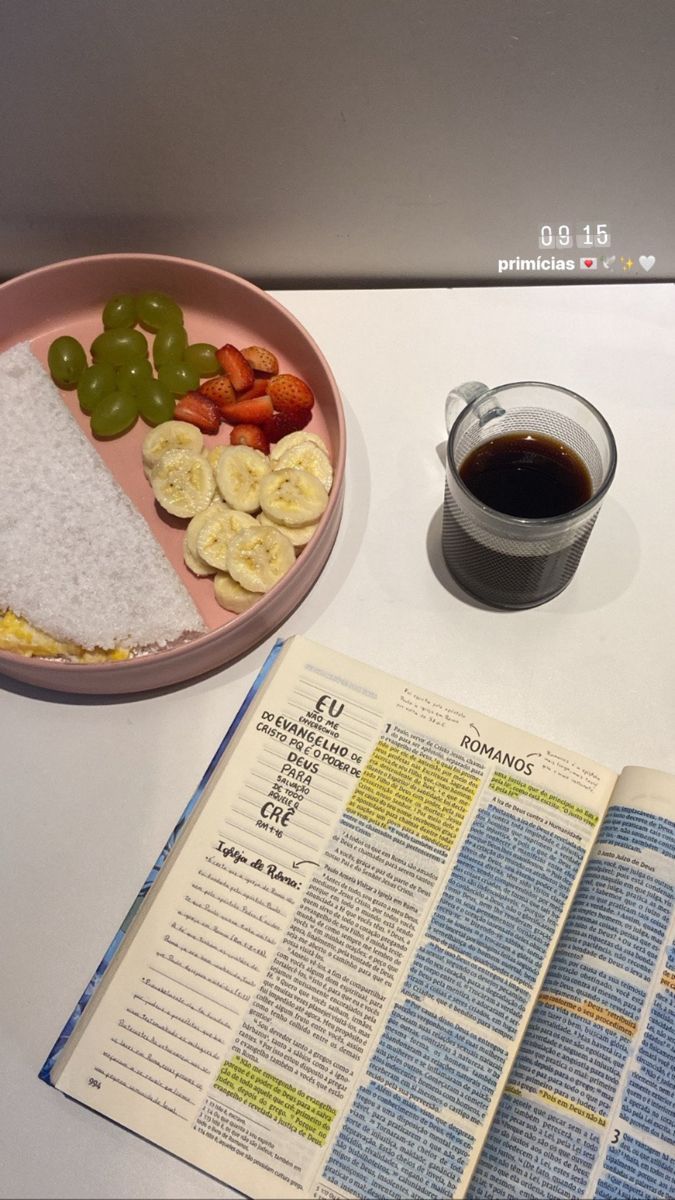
column 68, row 297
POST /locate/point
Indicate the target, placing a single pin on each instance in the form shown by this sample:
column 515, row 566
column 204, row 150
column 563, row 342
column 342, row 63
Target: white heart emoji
column 609, row 262
column 646, row 261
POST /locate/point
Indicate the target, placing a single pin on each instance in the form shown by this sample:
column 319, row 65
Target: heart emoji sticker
column 646, row 261
column 588, row 262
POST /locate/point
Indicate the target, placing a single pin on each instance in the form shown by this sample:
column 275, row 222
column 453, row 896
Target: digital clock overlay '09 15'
column 564, row 248
column 589, row 237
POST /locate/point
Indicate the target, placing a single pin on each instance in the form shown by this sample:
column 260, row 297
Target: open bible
column 395, row 949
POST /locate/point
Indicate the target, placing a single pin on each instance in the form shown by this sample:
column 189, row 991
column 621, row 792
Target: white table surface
column 90, row 788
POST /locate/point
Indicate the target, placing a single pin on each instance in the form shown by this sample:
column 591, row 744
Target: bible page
column 589, row 1110
column 324, row 994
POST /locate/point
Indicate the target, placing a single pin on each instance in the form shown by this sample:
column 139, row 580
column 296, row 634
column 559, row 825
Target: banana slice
column 298, row 535
column 194, row 563
column 197, row 522
column 213, row 454
column 309, row 457
column 294, row 439
column 217, row 531
column 191, row 555
column 232, row 595
column 182, row 482
column 258, row 558
column 238, row 475
column 291, row 496
column 170, row 435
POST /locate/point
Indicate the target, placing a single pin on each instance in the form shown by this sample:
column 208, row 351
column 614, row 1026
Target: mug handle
column 466, row 394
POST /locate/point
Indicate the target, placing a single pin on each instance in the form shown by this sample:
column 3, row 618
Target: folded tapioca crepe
column 77, row 560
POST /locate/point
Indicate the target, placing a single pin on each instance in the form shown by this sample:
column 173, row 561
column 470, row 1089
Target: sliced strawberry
column 248, row 412
column 198, row 410
column 250, row 435
column 235, row 367
column 261, row 359
column 290, row 393
column 219, row 389
column 259, row 388
column 279, row 424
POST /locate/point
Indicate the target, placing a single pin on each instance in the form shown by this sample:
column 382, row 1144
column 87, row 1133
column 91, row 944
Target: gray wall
column 333, row 141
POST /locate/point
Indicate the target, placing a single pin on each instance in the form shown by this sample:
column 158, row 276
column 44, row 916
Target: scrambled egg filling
column 20, row 637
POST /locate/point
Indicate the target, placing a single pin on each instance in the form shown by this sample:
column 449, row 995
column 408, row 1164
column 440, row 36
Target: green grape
column 67, row 360
column 201, row 356
column 169, row 344
column 178, row 378
column 155, row 402
column 120, row 312
column 131, row 375
column 95, row 382
column 119, row 346
column 154, row 309
column 114, row 414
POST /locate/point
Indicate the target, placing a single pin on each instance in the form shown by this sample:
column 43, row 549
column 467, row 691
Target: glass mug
column 518, row 561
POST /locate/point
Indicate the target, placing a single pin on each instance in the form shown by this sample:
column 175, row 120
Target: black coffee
column 523, row 475
column 527, row 475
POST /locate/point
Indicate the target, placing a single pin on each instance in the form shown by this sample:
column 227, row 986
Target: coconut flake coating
column 77, row 559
